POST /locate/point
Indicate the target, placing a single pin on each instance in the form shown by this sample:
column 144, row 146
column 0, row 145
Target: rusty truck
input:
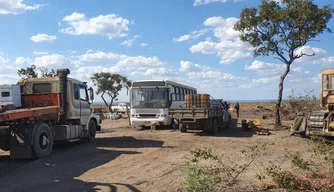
column 321, row 123
column 201, row 113
column 36, row 112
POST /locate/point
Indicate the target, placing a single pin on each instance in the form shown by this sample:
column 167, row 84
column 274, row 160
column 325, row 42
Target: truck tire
column 4, row 143
column 91, row 130
column 215, row 126
column 43, row 141
column 182, row 128
column 228, row 123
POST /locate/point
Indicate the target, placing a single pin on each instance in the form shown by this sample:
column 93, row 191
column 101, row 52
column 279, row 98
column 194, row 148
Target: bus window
column 182, row 94
column 171, row 89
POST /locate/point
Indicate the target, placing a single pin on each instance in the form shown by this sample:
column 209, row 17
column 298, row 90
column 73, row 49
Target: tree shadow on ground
column 57, row 172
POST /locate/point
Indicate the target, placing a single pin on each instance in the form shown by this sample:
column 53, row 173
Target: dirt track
column 124, row 159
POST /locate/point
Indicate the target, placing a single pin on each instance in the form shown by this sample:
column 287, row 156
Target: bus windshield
column 149, row 98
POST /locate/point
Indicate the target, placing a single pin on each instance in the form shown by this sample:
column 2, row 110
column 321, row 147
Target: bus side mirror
column 91, row 93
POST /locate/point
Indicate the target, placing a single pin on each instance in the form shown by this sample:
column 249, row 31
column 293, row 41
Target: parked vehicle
column 120, row 107
column 322, row 122
column 151, row 100
column 201, row 113
column 39, row 111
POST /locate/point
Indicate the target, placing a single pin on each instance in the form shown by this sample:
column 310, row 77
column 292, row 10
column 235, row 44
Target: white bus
column 150, row 101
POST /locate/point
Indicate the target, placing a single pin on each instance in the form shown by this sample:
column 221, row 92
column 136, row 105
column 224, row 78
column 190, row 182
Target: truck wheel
column 215, row 127
column 182, row 128
column 91, row 130
column 228, row 123
column 43, row 141
column 4, row 143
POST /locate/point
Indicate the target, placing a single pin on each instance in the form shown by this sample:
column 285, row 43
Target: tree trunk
column 110, row 105
column 105, row 102
column 278, row 122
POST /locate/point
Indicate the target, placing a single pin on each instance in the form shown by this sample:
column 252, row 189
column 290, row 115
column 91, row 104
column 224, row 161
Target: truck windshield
column 148, row 97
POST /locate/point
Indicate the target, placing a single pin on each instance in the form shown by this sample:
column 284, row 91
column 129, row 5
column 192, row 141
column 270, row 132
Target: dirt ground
column 123, row 158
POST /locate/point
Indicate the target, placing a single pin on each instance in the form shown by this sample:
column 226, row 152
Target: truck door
column 84, row 104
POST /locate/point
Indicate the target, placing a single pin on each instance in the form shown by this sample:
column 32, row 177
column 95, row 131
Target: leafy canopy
column 110, row 84
column 280, row 29
column 32, row 72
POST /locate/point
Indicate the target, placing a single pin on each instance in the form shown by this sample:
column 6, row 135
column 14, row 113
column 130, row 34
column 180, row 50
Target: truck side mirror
column 91, row 93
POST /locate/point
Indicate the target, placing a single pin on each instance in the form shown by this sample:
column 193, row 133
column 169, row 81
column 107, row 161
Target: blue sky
column 188, row 41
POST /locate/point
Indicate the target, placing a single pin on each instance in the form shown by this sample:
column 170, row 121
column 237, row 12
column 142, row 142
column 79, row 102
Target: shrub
column 219, row 173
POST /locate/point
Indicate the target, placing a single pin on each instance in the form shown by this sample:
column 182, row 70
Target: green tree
column 29, row 72
column 46, row 73
column 280, row 29
column 32, row 72
column 111, row 85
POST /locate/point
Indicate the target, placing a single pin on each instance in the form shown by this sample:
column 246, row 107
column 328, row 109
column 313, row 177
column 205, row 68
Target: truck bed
column 195, row 113
column 35, row 106
column 35, row 112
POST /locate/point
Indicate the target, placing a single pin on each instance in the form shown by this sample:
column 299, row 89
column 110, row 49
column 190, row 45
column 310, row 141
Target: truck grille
column 147, row 115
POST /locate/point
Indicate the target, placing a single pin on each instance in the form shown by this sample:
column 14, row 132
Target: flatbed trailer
column 30, row 113
column 206, row 119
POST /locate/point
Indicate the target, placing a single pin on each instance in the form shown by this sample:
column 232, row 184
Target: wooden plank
column 197, row 113
column 28, row 113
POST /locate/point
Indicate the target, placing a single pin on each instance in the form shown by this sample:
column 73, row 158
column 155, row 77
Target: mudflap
column 21, row 143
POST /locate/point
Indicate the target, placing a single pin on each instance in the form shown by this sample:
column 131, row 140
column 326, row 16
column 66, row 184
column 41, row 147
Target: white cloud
column 3, row 60
column 192, row 35
column 228, row 51
column 229, row 48
column 204, row 2
column 40, row 37
column 270, row 72
column 129, row 42
column 8, row 72
column 92, row 56
column 16, row 7
column 111, row 25
column 40, row 53
column 259, row 82
column 207, row 77
column 222, row 28
column 74, row 17
column 265, row 68
column 51, row 61
column 316, row 78
column 123, row 63
column 321, row 56
column 270, row 69
column 143, row 44
column 23, row 61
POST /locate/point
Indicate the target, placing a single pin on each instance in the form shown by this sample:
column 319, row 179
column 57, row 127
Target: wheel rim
column 44, row 141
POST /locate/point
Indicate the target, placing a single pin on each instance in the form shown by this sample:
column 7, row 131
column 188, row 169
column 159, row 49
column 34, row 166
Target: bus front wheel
column 182, row 128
